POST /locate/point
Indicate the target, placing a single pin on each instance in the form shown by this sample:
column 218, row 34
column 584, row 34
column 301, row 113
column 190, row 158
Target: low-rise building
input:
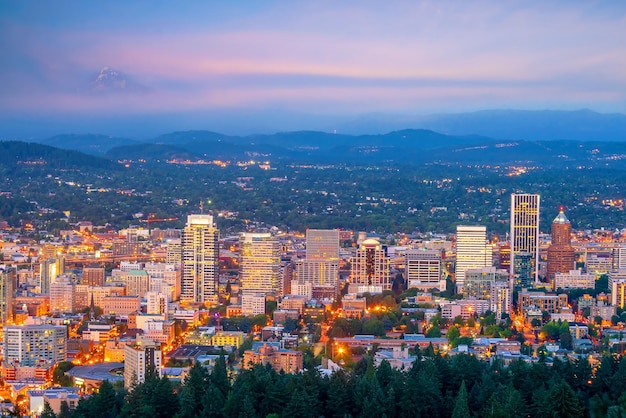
column 575, row 279
column 286, row 360
column 227, row 339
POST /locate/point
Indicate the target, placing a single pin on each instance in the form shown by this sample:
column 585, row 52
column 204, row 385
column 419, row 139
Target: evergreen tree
column 369, row 400
column 384, row 374
column 513, row 402
column 164, row 399
column 219, row 376
column 47, row 411
column 192, row 392
column 494, row 409
column 213, row 403
column 563, row 401
column 299, row 405
column 247, row 409
column 64, row 410
column 618, row 380
column 338, row 402
column 604, row 373
column 461, row 406
column 540, row 406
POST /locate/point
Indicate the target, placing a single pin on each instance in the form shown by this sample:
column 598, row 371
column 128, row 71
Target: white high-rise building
column 478, row 282
column 200, row 254
column 259, row 271
column 500, row 298
column 32, row 345
column 139, row 357
column 472, row 251
column 524, row 238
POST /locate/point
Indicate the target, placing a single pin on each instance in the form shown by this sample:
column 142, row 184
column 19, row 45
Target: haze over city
column 249, row 68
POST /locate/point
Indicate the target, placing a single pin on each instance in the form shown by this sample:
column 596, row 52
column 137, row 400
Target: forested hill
column 408, row 146
column 15, row 153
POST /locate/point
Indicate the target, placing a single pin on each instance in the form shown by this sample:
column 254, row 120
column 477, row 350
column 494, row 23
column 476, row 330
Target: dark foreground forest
column 436, row 386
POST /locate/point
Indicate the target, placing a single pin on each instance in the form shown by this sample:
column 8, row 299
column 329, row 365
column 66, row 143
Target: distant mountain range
column 409, row 146
column 579, row 125
column 546, row 125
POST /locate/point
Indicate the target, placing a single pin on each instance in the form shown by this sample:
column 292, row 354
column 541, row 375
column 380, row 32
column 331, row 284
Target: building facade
column 472, row 251
column 200, row 255
column 7, row 288
column 259, row 271
column 478, row 282
column 35, row 345
column 424, row 269
column 370, row 268
column 139, row 358
column 524, row 237
column 561, row 255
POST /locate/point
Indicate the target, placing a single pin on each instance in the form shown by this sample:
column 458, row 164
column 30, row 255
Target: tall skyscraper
column 320, row 268
column 200, row 256
column 259, row 271
column 7, row 289
column 370, row 269
column 561, row 256
column 472, row 251
column 524, row 238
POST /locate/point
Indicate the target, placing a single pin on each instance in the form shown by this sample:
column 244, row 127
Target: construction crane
column 152, row 219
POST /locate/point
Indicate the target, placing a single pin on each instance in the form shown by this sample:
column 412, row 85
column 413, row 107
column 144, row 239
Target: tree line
column 435, row 386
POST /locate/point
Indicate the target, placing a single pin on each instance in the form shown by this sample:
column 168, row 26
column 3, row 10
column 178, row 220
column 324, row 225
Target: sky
column 308, row 60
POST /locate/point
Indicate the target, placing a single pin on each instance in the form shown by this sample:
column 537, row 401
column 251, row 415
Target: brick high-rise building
column 561, row 256
column 93, row 275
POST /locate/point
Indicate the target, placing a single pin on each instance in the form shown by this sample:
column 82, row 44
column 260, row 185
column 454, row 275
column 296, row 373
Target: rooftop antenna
column 201, row 207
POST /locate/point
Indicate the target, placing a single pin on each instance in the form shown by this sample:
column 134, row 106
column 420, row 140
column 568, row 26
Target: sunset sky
column 312, row 57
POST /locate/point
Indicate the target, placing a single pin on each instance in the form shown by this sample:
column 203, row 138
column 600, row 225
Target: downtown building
column 200, row 255
column 524, row 238
column 424, row 269
column 472, row 251
column 259, row 272
column 35, row 345
column 370, row 269
column 7, row 289
column 139, row 358
column 561, row 255
column 319, row 271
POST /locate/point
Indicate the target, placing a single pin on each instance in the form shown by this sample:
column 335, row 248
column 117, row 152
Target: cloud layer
column 319, row 57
